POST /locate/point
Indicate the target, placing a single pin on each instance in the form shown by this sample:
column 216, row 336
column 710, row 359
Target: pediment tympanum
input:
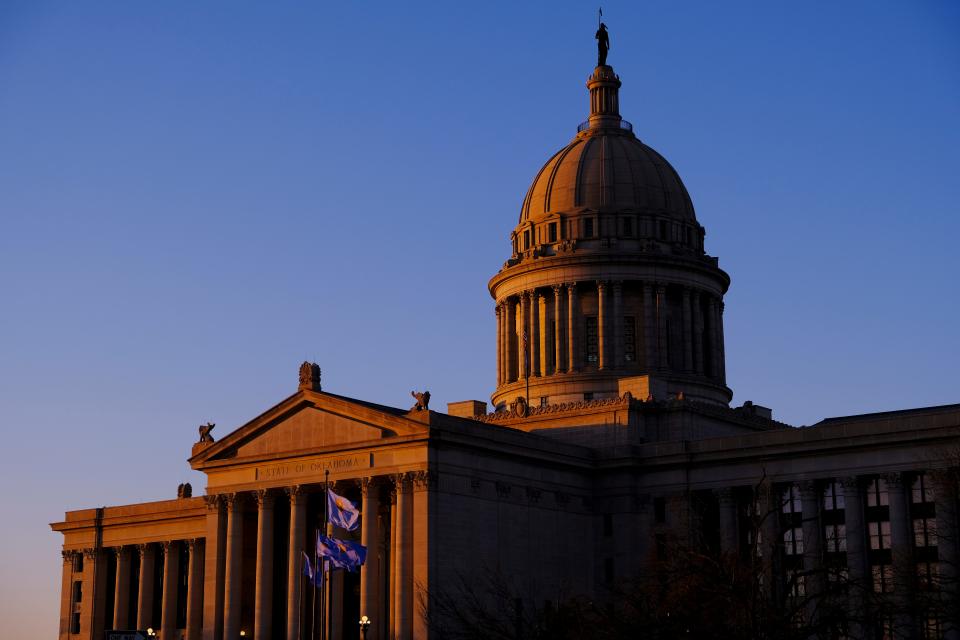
column 305, row 422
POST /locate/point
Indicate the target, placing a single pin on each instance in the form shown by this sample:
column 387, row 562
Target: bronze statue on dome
column 603, row 45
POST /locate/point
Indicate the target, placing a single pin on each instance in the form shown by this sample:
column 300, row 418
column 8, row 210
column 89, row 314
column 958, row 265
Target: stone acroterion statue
column 603, row 45
column 423, row 400
column 205, row 430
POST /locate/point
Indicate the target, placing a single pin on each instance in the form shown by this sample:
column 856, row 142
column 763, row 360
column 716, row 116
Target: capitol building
column 608, row 441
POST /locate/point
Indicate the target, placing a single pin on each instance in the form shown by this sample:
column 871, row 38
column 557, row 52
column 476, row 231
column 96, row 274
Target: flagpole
column 313, row 592
column 300, row 603
column 325, row 594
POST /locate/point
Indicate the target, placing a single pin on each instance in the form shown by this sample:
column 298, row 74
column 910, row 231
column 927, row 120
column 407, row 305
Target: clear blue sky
column 195, row 197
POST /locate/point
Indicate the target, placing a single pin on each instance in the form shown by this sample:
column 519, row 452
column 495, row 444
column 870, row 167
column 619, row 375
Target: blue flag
column 316, row 577
column 342, row 554
column 342, row 512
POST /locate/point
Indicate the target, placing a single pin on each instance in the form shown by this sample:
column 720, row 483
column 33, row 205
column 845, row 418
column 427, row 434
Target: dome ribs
column 578, row 182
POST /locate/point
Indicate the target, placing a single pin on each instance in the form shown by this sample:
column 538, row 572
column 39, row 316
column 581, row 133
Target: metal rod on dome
column 599, row 15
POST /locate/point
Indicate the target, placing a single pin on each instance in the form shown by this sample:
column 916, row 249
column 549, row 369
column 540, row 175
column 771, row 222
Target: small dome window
column 552, row 232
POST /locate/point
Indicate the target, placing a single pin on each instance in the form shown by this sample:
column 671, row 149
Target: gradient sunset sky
column 197, row 196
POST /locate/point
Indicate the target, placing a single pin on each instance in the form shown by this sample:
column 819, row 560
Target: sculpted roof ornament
column 423, row 400
column 309, row 376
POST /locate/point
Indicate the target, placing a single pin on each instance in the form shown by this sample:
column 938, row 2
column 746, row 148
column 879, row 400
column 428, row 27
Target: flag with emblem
column 342, row 554
column 342, row 512
column 316, row 577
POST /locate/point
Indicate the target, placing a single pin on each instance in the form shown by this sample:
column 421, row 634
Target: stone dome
column 607, row 169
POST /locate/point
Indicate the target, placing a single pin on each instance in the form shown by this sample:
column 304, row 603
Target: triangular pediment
column 308, row 421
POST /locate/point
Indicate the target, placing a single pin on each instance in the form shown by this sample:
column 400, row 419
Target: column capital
column 617, row 285
column 143, row 548
column 402, row 481
column 894, row 479
column 233, row 500
column 686, row 293
column 120, row 549
column 556, row 289
column 571, row 286
column 808, row 487
column 166, row 546
column 661, row 287
column 370, row 483
column 725, row 496
column 68, row 555
column 424, row 480
column 601, row 285
column 264, row 498
column 212, row 501
column 295, row 492
column 89, row 553
column 850, row 483
column 193, row 543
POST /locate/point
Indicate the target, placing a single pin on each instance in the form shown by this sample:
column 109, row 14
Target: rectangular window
column 791, row 500
column 660, row 510
column 628, row 227
column 922, row 492
column 832, row 497
column 552, row 232
column 77, row 592
column 795, row 586
column 927, row 574
column 75, row 622
column 836, row 538
column 879, row 534
column 544, row 401
column 877, row 493
column 593, row 349
column 629, row 339
column 588, row 228
column 78, row 562
column 925, row 532
column 882, row 578
column 689, row 237
column 526, row 239
column 663, row 230
column 793, row 541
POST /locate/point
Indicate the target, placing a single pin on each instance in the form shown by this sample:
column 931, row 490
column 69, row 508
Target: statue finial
column 603, row 43
column 310, row 376
column 423, row 400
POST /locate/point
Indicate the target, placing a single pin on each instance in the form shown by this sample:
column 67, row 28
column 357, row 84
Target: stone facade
column 611, row 432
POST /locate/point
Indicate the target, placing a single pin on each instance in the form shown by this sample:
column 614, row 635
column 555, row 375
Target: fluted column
column 496, row 311
column 901, row 547
column 573, row 328
column 403, row 614
column 91, row 615
column 511, row 341
column 66, row 593
column 391, row 631
column 651, row 353
column 543, row 330
column 601, row 325
column 662, row 326
column 525, row 336
column 687, row 331
column 713, row 370
column 214, row 568
column 856, row 554
column 234, row 570
column 370, row 570
column 697, row 334
column 298, row 519
column 145, row 590
column 534, row 334
column 559, row 331
column 812, row 539
column 422, row 562
column 194, row 589
column 121, row 598
column 945, row 492
column 263, row 602
column 722, row 364
column 729, row 538
column 618, row 347
column 171, row 576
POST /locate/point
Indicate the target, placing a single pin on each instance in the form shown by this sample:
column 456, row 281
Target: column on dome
column 194, row 589
column 403, row 609
column 573, row 328
column 713, row 366
column 559, row 329
column 722, row 362
column 214, row 568
column 697, row 333
column 901, row 547
column 687, row 331
column 651, row 354
column 729, row 537
column 523, row 337
column 510, row 341
column 298, row 520
column 263, row 594
column 662, row 337
column 171, row 576
column 533, row 336
column 145, row 591
column 544, row 333
column 121, row 598
column 602, row 362
column 370, row 538
column 496, row 311
column 618, row 348
column 856, row 552
column 233, row 575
